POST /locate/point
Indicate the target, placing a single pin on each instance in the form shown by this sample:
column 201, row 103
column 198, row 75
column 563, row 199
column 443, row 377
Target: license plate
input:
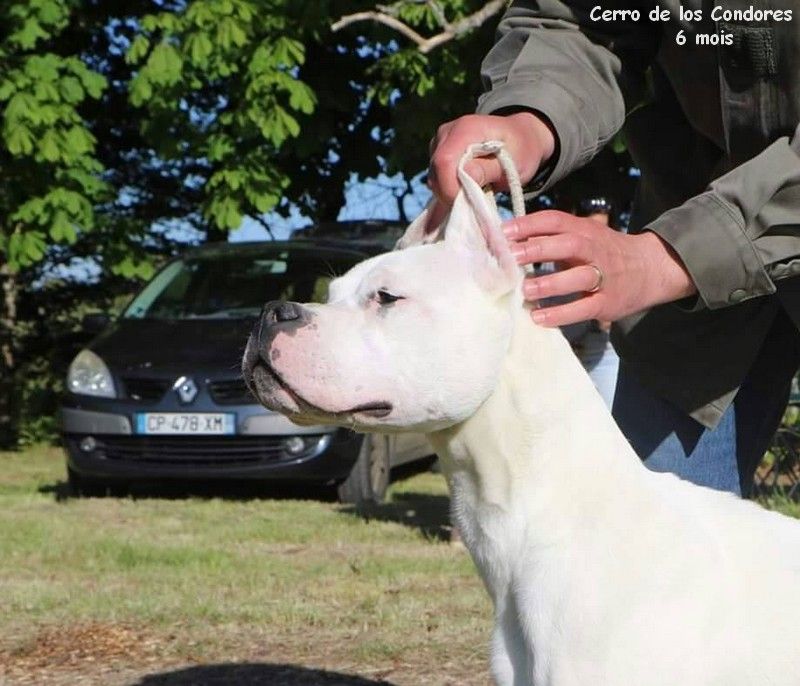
column 186, row 423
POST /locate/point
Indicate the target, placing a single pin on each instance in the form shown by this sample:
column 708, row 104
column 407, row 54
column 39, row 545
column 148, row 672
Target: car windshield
column 237, row 285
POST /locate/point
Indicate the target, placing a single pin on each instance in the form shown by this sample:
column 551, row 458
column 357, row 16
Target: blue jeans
column 726, row 457
column 599, row 358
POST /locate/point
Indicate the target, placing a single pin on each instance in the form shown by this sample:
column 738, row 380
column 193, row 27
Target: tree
column 49, row 176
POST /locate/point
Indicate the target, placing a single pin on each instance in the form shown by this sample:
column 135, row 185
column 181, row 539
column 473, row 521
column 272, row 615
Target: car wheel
column 81, row 486
column 369, row 478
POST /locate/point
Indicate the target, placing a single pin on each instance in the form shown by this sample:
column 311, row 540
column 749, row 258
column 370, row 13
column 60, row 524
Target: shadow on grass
column 205, row 489
column 225, row 489
column 424, row 511
column 427, row 512
column 250, row 674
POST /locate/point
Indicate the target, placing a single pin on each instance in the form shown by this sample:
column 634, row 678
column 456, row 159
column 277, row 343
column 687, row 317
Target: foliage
column 49, row 174
column 219, row 83
column 116, row 118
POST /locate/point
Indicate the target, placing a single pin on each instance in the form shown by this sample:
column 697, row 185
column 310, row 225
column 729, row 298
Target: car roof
column 385, row 232
column 347, row 248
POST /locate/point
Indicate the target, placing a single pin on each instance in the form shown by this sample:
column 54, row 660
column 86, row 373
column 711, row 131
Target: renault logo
column 186, row 389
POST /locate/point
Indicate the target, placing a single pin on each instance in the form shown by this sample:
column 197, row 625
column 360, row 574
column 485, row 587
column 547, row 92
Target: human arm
column 743, row 234
column 616, row 274
column 552, row 62
column 727, row 245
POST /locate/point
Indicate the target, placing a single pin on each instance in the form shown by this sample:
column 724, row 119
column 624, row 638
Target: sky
column 371, row 199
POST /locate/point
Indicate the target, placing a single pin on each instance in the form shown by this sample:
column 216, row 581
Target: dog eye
column 384, row 297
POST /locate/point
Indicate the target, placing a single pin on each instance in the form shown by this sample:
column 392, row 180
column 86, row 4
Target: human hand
column 526, row 137
column 617, row 274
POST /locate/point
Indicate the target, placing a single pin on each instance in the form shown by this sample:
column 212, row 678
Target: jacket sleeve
column 550, row 57
column 742, row 234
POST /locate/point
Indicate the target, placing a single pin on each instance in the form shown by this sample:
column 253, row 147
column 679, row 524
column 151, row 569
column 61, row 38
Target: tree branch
column 381, row 18
column 264, row 225
column 425, row 45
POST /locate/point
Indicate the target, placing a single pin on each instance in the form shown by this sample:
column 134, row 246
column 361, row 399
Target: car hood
column 208, row 345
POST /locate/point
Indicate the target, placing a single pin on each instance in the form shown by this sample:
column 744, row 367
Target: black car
column 158, row 394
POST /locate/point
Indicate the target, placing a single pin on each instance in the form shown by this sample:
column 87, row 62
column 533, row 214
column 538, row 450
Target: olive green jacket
column 718, row 145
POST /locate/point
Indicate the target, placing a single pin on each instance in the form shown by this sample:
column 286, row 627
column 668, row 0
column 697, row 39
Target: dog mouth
column 377, row 409
column 263, row 376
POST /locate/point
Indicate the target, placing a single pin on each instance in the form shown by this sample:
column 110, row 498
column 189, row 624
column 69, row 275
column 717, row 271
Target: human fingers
column 579, row 310
column 447, row 148
column 526, row 137
column 486, row 171
column 565, row 247
column 585, row 278
column 540, row 223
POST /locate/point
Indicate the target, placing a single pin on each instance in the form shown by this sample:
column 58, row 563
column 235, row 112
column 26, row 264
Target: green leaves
column 59, row 214
column 164, row 65
column 247, row 185
column 199, row 48
column 249, row 57
column 287, row 52
column 225, row 212
column 19, row 140
column 274, row 123
column 33, row 21
column 230, row 33
column 130, row 267
column 51, row 178
column 24, row 249
column 138, row 49
column 163, row 68
column 406, row 71
column 219, row 146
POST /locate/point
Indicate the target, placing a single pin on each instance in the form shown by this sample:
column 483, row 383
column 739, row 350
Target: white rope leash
column 497, row 148
column 514, row 183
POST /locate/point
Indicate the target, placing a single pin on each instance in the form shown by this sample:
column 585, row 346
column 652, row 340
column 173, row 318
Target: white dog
column 601, row 572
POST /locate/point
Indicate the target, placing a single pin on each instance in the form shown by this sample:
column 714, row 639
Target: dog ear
column 418, row 231
column 474, row 224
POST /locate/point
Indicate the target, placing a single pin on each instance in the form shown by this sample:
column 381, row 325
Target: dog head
column 410, row 340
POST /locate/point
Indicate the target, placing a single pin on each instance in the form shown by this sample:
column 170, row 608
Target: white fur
column 601, row 572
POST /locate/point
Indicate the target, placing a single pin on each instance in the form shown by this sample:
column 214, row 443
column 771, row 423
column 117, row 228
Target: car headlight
column 89, row 375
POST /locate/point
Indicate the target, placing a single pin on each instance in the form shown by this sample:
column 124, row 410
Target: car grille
column 199, row 450
column 231, row 392
column 145, row 389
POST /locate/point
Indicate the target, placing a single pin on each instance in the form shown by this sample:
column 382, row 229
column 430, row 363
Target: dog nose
column 285, row 312
column 281, row 312
column 278, row 316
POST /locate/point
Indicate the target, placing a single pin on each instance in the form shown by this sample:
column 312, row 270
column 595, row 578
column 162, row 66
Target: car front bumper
column 102, row 444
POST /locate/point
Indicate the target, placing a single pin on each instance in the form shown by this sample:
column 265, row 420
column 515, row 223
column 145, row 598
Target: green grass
column 781, row 503
column 271, row 591
column 212, row 580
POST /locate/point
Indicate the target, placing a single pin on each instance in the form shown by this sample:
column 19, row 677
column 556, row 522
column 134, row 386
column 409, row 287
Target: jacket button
column 737, row 296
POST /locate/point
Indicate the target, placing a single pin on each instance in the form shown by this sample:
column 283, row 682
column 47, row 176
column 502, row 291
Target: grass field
column 171, row 591
column 231, row 590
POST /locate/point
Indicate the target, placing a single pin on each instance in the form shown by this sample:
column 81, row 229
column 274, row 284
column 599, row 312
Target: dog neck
column 544, row 434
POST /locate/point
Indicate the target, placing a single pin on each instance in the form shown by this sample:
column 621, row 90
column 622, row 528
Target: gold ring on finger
column 598, row 284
